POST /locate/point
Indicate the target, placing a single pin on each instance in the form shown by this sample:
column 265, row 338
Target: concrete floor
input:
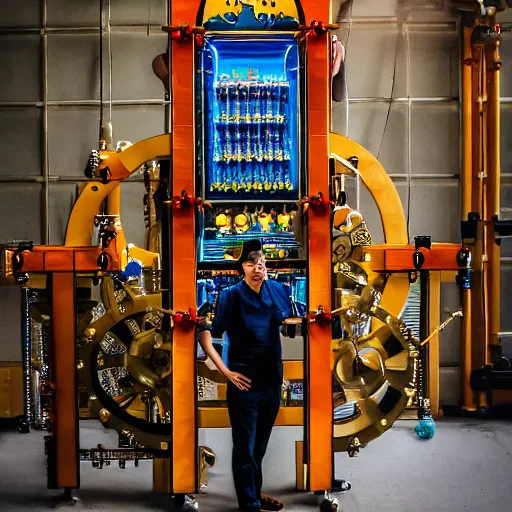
column 466, row 467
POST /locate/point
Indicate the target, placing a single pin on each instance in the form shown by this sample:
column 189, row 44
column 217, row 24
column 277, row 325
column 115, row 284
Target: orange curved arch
column 383, row 191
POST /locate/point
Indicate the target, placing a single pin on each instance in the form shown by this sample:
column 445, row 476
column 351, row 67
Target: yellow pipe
column 467, row 188
column 87, row 206
column 466, row 123
column 493, row 193
column 114, row 208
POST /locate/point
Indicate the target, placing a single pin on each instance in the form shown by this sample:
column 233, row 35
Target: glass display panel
column 225, row 228
column 249, row 117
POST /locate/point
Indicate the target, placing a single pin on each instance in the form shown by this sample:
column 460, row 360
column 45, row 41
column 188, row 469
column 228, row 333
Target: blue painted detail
column 247, row 21
column 426, row 428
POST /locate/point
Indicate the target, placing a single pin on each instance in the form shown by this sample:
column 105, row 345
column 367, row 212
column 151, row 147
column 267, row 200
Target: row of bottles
column 252, row 145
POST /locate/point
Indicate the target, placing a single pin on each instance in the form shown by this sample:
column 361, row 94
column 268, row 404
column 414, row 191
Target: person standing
column 251, row 312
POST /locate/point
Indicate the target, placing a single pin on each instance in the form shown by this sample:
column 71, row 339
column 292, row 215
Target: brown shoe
column 270, row 504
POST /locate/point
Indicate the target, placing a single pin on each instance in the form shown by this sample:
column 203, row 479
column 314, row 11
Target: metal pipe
column 467, row 181
column 493, row 193
column 44, row 105
column 387, row 99
column 391, row 20
column 27, row 359
column 79, row 103
column 57, row 179
column 479, row 295
column 424, row 332
column 120, row 28
column 46, row 158
column 425, row 176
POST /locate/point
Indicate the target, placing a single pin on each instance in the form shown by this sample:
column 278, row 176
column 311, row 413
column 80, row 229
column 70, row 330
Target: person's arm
column 219, row 325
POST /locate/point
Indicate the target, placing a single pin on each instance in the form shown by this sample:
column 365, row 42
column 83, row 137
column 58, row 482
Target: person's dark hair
column 254, row 256
column 251, row 251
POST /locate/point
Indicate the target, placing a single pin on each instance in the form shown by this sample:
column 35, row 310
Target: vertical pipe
column 466, row 122
column 434, row 319
column 46, row 159
column 467, row 187
column 24, row 424
column 408, row 126
column 424, row 332
column 493, row 195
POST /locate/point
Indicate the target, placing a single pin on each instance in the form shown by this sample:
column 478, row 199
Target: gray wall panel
column 21, row 211
column 73, row 67
column 506, row 195
column 506, row 246
column 20, row 65
column 434, row 139
column 392, row 151
column 62, row 198
column 20, row 13
column 370, row 8
column 371, row 48
column 135, row 11
column 10, row 320
column 433, row 57
column 506, row 56
column 449, row 386
column 134, row 123
column 449, row 338
column 506, row 136
column 506, row 299
column 366, row 123
column 20, row 149
column 435, row 210
column 72, row 132
column 132, row 74
column 132, row 214
column 74, row 13
column 77, row 129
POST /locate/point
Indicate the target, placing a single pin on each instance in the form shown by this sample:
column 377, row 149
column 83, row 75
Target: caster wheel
column 185, row 502
column 329, row 506
column 178, row 500
column 23, row 426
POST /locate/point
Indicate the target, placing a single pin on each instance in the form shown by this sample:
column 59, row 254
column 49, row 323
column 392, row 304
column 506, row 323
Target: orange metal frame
column 62, row 264
column 399, row 258
column 184, row 410
column 318, row 452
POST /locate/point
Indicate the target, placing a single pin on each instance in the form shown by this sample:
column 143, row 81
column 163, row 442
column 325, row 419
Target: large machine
column 250, row 154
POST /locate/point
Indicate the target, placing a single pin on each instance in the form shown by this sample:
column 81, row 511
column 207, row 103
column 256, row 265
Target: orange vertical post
column 184, row 414
column 319, row 411
column 468, row 401
column 493, row 193
column 65, row 417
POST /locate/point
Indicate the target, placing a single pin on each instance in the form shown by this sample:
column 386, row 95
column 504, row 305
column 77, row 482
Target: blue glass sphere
column 426, row 428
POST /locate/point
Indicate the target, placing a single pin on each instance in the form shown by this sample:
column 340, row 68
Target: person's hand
column 240, row 381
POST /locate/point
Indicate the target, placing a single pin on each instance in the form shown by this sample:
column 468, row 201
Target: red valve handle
column 185, row 200
column 320, row 316
column 317, row 203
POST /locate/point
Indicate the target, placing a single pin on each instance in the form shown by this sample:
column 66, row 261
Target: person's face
column 254, row 271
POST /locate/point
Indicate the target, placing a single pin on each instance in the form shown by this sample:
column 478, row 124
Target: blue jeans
column 252, row 414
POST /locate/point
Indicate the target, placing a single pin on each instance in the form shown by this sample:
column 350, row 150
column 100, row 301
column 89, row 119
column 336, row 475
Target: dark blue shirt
column 252, row 322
